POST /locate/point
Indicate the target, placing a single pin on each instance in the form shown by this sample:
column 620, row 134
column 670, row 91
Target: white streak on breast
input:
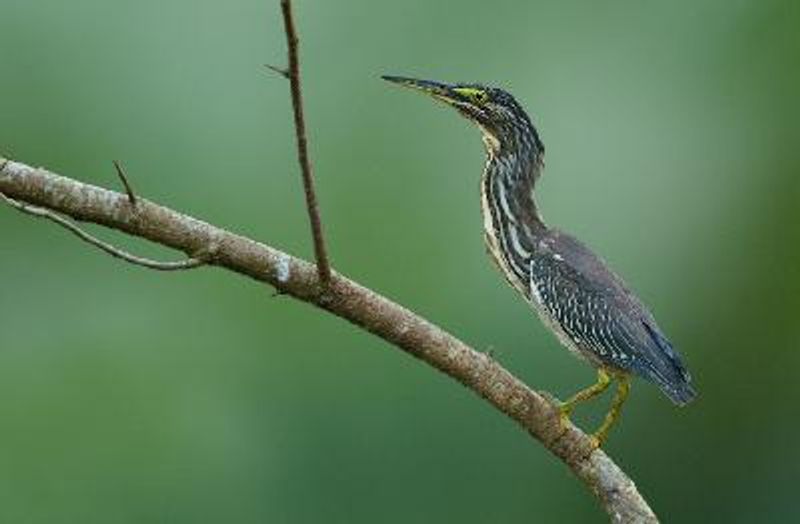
column 515, row 241
column 501, row 190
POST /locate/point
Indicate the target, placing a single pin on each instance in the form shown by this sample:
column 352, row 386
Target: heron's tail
column 668, row 372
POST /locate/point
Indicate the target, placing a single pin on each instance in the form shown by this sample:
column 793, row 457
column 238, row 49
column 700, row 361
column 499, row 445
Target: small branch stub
column 280, row 70
column 125, row 183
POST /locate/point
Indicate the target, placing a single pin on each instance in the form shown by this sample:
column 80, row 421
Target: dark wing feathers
column 675, row 379
column 595, row 307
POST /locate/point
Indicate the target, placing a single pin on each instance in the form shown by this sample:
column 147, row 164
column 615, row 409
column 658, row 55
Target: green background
column 128, row 395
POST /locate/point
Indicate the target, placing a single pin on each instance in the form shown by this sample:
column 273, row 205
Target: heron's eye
column 473, row 94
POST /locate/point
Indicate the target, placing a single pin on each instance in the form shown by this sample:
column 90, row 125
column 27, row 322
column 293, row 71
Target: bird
column 589, row 308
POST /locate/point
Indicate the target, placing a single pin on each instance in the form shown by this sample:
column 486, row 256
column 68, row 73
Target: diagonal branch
column 534, row 411
column 293, row 74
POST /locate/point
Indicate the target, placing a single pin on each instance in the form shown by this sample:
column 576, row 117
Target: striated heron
column 589, row 308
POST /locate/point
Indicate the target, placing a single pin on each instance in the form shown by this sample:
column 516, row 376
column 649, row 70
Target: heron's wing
column 599, row 312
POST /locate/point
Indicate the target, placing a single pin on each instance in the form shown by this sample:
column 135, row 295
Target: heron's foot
column 566, row 408
column 601, row 435
column 598, row 438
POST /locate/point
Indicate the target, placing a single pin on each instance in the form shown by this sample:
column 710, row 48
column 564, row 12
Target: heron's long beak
column 437, row 90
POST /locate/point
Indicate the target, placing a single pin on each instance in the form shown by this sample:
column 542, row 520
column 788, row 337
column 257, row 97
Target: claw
column 599, row 438
column 565, row 410
column 564, row 413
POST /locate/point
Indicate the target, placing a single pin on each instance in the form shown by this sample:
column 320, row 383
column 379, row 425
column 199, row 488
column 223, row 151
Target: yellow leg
column 623, row 388
column 603, row 381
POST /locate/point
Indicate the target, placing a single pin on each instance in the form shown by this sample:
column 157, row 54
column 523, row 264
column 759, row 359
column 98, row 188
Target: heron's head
column 502, row 120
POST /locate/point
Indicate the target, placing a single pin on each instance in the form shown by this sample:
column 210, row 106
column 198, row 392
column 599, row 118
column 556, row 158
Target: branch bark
column 534, row 411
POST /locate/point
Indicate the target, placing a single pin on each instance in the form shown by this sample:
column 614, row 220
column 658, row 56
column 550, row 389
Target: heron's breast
column 492, row 241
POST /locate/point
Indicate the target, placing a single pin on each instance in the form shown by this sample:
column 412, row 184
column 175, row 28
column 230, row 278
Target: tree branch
column 533, row 411
column 293, row 74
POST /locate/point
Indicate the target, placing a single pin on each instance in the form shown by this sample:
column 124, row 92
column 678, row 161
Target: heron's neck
column 511, row 217
column 512, row 177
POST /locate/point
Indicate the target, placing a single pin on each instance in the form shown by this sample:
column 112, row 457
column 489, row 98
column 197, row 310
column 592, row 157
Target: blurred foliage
column 133, row 396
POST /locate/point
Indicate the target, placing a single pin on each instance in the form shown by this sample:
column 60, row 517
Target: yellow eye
column 475, row 95
column 480, row 97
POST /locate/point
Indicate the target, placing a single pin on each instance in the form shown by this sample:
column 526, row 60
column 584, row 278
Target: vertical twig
column 293, row 74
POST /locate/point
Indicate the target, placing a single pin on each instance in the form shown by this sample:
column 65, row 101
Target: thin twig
column 128, row 189
column 293, row 73
column 189, row 263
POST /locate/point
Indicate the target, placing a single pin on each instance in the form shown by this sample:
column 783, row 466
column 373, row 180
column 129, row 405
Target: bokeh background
column 132, row 396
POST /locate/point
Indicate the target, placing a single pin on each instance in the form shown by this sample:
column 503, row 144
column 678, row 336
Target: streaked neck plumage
column 512, row 223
